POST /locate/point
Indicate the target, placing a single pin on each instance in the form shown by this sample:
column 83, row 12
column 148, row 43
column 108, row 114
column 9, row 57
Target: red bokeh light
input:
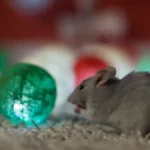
column 87, row 66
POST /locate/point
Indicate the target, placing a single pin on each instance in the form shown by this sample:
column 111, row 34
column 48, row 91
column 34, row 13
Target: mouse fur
column 121, row 103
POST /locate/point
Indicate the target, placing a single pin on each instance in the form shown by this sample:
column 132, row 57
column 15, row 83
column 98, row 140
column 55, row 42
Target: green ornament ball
column 27, row 94
column 143, row 65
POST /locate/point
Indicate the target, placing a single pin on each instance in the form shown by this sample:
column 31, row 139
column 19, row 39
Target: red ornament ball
column 87, row 66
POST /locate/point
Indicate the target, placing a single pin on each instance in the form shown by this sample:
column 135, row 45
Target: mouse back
column 133, row 81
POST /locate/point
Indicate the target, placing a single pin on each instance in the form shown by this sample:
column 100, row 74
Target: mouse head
column 92, row 86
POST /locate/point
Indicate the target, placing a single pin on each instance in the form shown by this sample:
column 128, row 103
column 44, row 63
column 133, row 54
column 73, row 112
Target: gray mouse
column 123, row 104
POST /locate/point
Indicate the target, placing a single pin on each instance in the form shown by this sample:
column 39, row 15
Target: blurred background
column 72, row 39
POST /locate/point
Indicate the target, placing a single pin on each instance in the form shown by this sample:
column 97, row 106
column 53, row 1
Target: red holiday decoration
column 87, row 66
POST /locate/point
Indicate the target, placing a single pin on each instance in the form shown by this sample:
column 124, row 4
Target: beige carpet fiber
column 68, row 136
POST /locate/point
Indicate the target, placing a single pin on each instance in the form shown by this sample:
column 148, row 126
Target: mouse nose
column 70, row 100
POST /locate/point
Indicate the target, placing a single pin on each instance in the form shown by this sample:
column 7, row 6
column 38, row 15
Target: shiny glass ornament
column 27, row 94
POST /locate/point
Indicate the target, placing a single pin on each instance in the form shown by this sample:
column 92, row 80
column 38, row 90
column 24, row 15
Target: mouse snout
column 70, row 100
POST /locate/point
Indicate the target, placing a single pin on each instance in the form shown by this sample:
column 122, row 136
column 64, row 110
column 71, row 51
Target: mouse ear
column 102, row 76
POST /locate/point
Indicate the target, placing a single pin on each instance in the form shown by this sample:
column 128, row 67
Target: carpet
column 68, row 136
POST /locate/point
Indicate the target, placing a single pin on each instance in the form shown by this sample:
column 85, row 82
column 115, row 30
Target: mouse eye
column 81, row 87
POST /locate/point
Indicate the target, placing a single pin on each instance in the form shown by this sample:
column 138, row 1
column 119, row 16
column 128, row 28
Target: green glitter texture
column 27, row 94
